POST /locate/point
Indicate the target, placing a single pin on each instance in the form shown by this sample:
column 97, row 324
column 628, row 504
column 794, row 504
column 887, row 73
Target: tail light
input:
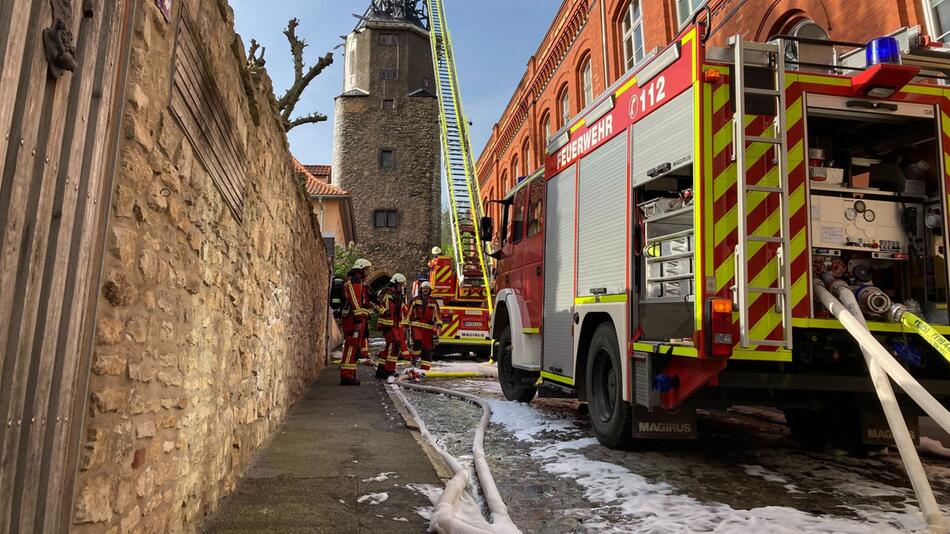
column 719, row 341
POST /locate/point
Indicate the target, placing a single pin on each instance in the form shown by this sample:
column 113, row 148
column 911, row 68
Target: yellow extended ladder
column 463, row 191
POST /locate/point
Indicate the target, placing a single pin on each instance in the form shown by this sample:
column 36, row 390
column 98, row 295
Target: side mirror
column 486, row 229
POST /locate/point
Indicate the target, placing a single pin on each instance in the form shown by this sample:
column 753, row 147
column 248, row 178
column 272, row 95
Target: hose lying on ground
column 892, row 412
column 445, row 520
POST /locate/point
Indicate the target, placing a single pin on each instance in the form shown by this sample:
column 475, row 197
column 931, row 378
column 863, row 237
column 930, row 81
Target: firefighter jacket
column 424, row 313
column 357, row 297
column 392, row 308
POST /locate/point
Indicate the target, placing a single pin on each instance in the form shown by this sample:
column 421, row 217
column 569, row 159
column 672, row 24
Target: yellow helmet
column 362, row 264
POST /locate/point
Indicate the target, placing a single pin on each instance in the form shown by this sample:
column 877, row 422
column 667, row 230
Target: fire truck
column 668, row 256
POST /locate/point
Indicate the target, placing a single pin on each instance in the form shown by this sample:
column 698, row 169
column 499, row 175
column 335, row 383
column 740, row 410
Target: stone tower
column 386, row 148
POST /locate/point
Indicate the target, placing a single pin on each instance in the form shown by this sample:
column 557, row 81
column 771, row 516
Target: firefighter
column 392, row 306
column 420, row 278
column 424, row 320
column 355, row 320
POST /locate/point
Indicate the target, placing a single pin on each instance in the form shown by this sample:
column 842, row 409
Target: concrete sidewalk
column 324, row 457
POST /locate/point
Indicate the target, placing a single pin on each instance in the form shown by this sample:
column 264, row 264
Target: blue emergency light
column 883, row 50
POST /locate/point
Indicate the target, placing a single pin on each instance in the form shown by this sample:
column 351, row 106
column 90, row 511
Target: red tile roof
column 320, row 171
column 317, row 184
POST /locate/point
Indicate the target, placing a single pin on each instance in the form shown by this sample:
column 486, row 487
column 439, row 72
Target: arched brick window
column 564, row 106
column 514, row 172
column 545, row 135
column 631, row 32
column 586, row 76
column 526, row 158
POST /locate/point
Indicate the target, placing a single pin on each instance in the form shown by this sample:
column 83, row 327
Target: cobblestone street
column 744, row 475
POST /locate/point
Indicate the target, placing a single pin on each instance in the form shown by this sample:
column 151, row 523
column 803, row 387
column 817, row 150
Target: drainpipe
column 603, row 42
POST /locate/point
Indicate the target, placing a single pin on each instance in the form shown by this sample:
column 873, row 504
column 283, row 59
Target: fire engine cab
column 668, row 256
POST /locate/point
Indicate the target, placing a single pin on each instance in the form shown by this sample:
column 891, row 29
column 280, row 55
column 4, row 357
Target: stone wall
column 208, row 329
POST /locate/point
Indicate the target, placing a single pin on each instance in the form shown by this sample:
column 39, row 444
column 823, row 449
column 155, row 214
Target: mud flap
column 875, row 430
column 660, row 424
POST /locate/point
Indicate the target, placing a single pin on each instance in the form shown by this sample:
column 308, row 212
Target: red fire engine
column 656, row 266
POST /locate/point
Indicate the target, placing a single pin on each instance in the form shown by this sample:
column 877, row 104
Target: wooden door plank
column 13, row 26
column 16, row 176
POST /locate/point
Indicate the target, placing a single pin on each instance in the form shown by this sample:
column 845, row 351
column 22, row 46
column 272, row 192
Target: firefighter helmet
column 362, row 264
column 436, row 251
column 425, row 285
column 398, row 278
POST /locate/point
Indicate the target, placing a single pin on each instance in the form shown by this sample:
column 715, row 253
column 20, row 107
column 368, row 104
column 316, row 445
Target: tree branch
column 255, row 62
column 296, row 46
column 312, row 118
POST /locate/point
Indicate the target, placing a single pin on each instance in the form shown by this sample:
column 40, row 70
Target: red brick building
column 592, row 43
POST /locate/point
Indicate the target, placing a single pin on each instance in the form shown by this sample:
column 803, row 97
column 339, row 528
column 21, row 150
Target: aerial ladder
column 463, row 191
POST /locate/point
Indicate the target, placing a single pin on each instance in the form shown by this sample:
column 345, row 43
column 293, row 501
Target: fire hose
column 881, row 364
column 445, row 519
column 900, row 314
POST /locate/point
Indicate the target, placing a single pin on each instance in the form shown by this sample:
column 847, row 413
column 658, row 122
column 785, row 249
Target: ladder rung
column 767, row 290
column 763, row 239
column 765, row 92
column 758, row 139
column 764, row 189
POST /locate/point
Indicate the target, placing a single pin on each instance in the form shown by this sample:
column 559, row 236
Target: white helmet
column 436, row 251
column 424, row 285
column 362, row 264
column 397, row 278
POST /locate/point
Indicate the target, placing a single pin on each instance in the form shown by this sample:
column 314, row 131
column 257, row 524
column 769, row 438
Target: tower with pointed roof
column 386, row 150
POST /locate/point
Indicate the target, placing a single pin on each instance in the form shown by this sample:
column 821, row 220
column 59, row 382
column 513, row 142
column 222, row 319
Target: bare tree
column 287, row 103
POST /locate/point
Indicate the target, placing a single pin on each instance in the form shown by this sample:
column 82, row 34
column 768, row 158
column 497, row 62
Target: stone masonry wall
column 208, row 329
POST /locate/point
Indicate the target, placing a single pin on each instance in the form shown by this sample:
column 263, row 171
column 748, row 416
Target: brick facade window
column 587, row 84
column 686, row 8
column 632, row 28
column 564, row 102
column 387, row 159
column 526, row 157
column 939, row 19
column 388, row 39
column 385, row 218
column 388, row 74
column 389, row 104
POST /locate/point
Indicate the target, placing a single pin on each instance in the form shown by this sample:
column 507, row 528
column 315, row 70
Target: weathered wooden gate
column 62, row 75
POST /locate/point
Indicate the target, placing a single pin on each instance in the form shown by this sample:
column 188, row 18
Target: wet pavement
column 745, row 474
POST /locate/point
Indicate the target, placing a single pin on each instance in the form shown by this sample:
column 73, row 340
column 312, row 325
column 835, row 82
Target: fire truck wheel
column 513, row 381
column 610, row 416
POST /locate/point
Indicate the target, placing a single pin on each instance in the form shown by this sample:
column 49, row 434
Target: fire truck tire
column 610, row 416
column 512, row 380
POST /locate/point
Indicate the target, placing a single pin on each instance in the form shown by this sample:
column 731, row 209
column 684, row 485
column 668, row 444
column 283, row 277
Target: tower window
column 388, row 74
column 385, row 218
column 388, row 39
column 389, row 104
column 387, row 160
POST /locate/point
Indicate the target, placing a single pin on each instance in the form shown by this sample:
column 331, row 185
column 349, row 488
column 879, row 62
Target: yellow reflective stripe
column 874, row 326
column 531, row 330
column 623, row 88
column 761, row 355
column 426, row 326
column 557, row 378
column 675, row 350
column 600, row 299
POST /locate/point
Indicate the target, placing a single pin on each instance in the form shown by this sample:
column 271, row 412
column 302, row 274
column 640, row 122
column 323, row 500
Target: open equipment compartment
column 876, row 195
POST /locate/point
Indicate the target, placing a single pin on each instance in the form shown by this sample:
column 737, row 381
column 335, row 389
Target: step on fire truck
column 462, row 285
column 665, row 258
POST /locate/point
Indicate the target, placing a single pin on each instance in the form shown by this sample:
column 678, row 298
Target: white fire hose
column 881, row 364
column 445, row 519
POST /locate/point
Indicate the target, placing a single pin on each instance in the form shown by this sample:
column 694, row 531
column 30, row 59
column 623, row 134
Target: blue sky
column 493, row 40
